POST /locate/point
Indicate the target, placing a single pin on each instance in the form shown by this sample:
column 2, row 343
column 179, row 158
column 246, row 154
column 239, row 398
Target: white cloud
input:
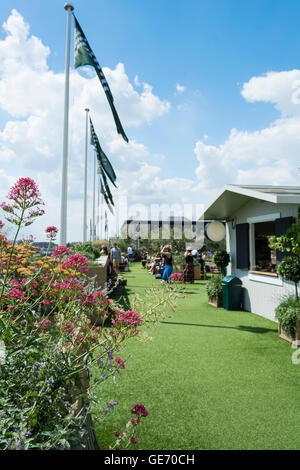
column 180, row 88
column 31, row 140
column 266, row 156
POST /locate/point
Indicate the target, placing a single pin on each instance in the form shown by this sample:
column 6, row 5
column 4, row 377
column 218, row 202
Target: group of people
column 163, row 263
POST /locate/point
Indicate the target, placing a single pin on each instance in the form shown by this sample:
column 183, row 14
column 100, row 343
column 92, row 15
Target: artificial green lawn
column 210, row 379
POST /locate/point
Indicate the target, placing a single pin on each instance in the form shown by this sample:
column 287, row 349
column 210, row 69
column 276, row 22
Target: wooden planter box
column 100, row 274
column 216, row 302
column 283, row 335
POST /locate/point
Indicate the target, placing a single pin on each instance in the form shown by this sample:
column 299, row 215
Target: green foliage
column 214, row 287
column 289, row 268
column 87, row 249
column 287, row 313
column 221, row 258
column 180, row 260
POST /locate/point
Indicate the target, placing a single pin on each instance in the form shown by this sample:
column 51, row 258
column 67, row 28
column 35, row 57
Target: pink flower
column 140, row 410
column 24, row 195
column 46, row 302
column 117, row 433
column 51, row 232
column 61, row 252
column 1, row 224
column 120, row 361
column 134, row 440
column 88, row 299
column 176, row 277
column 128, row 318
column 16, row 294
column 76, row 261
column 135, row 421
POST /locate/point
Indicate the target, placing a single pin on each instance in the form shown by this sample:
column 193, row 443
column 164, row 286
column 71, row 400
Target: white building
column 252, row 213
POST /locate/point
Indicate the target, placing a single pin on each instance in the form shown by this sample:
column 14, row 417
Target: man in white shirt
column 130, row 253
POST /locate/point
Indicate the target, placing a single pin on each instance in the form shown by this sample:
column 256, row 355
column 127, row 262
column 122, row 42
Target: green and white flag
column 85, row 56
column 102, row 158
column 105, row 195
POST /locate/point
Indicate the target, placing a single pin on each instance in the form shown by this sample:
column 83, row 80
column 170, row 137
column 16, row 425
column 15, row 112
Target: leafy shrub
column 221, row 259
column 180, row 260
column 88, row 249
column 287, row 313
column 289, row 269
column 214, row 287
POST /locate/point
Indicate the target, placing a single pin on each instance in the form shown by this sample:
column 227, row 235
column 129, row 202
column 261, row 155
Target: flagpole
column 64, row 181
column 85, row 177
column 102, row 201
column 94, row 197
column 98, row 210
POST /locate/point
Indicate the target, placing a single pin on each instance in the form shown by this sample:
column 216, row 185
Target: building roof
column 233, row 196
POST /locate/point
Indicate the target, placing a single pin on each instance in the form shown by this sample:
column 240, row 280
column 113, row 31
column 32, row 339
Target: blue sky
column 211, row 48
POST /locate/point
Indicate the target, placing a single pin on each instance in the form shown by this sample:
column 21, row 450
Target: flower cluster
column 176, row 277
column 24, row 195
column 61, row 251
column 51, row 232
column 77, row 262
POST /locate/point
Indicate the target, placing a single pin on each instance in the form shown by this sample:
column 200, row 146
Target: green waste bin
column 232, row 293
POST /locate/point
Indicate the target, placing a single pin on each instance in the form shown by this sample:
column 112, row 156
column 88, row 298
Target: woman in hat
column 188, row 273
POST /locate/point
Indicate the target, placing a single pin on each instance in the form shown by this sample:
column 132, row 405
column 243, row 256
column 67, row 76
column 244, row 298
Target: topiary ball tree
column 289, row 269
column 221, row 259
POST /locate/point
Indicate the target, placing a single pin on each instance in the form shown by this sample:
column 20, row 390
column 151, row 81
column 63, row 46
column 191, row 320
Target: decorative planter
column 216, row 302
column 99, row 273
column 197, row 272
column 283, row 335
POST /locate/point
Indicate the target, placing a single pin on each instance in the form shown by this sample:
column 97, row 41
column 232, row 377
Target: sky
column 208, row 93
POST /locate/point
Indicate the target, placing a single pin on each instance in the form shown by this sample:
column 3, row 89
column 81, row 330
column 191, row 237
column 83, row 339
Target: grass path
column 211, row 379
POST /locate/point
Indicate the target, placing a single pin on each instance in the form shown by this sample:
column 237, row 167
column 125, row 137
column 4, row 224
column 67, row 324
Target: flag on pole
column 106, row 197
column 102, row 158
column 85, row 56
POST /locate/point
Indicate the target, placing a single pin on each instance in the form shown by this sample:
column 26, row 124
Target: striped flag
column 85, row 56
column 105, row 195
column 102, row 158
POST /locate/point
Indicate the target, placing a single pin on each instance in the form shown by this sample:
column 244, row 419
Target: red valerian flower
column 1, row 224
column 140, row 410
column 76, row 261
column 61, row 252
column 117, row 433
column 134, row 440
column 51, row 232
column 120, row 361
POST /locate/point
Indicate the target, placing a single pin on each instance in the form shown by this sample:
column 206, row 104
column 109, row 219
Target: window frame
column 252, row 221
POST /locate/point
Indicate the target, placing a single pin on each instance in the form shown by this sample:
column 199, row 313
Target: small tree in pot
column 221, row 259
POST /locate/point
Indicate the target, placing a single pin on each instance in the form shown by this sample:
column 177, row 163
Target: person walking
column 188, row 273
column 115, row 257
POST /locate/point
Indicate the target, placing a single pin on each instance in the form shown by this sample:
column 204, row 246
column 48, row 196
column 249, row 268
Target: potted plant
column 288, row 311
column 288, row 315
column 214, row 291
column 221, row 260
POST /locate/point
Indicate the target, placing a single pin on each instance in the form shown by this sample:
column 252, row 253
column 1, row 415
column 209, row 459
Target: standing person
column 130, row 253
column 168, row 262
column 115, row 257
column 188, row 273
